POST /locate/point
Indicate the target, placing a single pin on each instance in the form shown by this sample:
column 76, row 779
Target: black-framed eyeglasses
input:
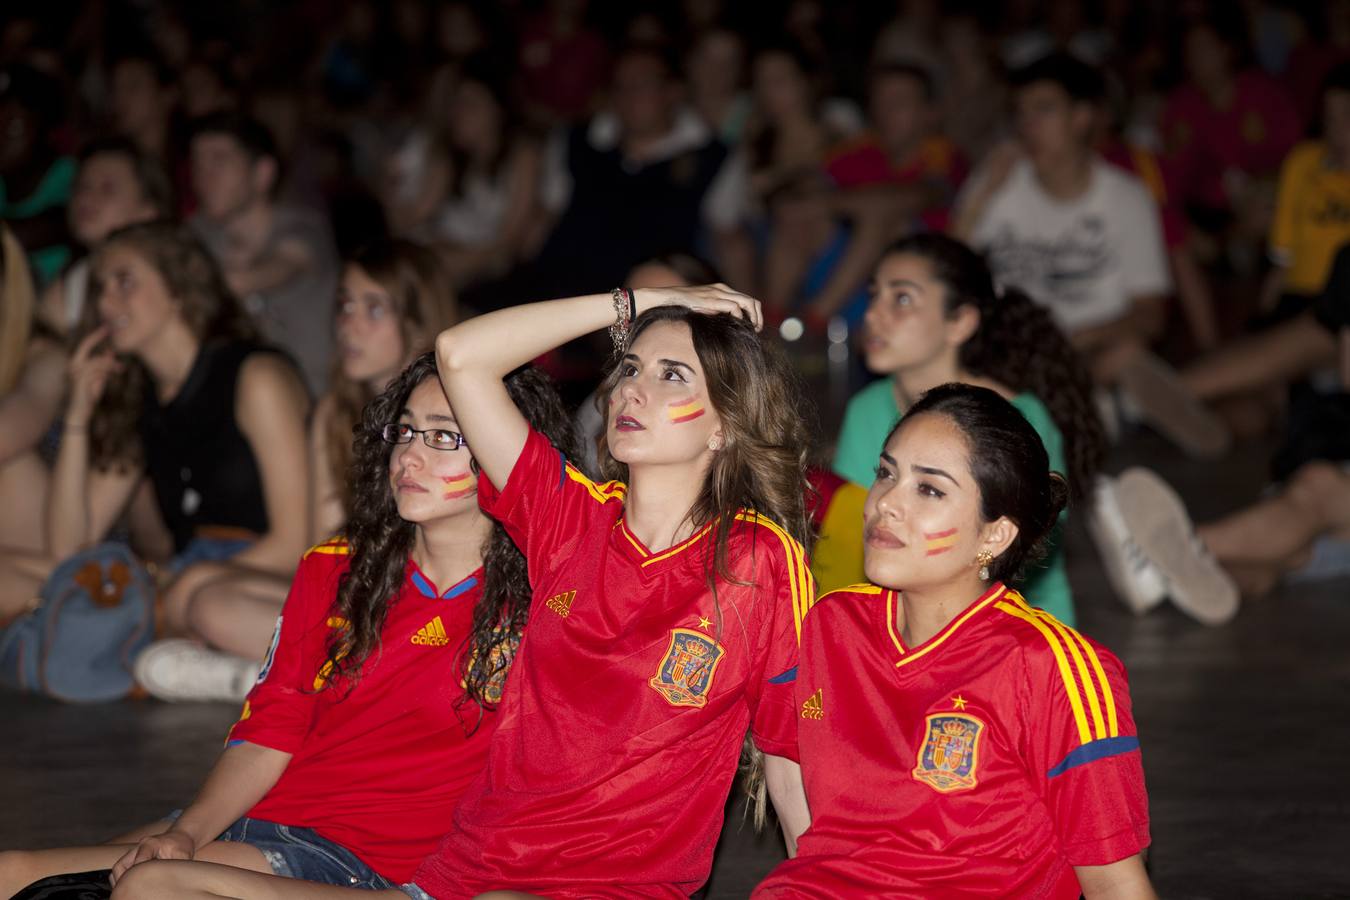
column 435, row 438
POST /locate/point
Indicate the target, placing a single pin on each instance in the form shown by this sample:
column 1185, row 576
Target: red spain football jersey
column 629, row 698
column 987, row 761
column 378, row 769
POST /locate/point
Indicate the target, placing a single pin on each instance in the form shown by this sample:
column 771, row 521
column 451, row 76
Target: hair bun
column 1059, row 495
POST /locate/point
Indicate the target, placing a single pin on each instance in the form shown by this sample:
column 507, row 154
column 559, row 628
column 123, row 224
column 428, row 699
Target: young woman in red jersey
column 955, row 740
column 378, row 697
column 666, row 602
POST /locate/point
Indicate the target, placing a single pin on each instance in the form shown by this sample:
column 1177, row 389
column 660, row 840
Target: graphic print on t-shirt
column 1062, row 272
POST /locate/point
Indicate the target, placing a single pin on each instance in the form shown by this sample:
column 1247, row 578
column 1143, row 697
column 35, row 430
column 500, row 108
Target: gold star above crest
column 959, row 702
column 704, row 622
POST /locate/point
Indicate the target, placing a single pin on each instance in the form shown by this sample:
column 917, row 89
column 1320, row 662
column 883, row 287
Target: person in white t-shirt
column 1079, row 235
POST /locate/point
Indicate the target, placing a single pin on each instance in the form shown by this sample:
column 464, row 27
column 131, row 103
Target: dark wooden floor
column 1245, row 729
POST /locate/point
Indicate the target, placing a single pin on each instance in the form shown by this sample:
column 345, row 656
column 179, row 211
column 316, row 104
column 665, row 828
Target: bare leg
column 183, row 880
column 21, row 577
column 1275, row 357
column 1279, row 530
column 23, row 497
column 238, row 612
column 20, row 868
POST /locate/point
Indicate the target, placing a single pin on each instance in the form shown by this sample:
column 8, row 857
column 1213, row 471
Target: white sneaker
column 178, row 669
column 1138, row 583
column 1157, row 519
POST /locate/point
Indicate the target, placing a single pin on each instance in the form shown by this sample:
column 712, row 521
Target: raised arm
column 82, row 504
column 474, row 356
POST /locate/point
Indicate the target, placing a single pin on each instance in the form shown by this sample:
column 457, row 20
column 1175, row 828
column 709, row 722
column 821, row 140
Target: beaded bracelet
column 625, row 308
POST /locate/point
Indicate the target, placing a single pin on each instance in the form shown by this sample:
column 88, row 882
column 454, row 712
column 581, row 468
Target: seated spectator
column 973, row 96
column 170, row 388
column 1300, row 530
column 1078, row 235
column 35, row 176
column 649, row 160
column 142, row 99
column 116, row 185
column 395, row 297
column 945, row 748
column 900, row 175
column 1192, row 285
column 936, row 317
column 380, row 693
column 786, row 144
column 1225, row 130
column 32, row 382
column 487, row 215
column 563, row 61
column 278, row 260
column 714, row 68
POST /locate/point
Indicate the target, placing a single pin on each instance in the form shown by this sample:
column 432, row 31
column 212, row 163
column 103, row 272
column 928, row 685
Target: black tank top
column 200, row 464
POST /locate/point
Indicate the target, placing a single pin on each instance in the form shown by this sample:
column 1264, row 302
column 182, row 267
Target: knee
column 1316, row 484
column 149, row 881
column 203, row 612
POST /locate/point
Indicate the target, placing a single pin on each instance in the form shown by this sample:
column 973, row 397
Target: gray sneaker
column 182, row 670
column 1155, row 391
column 1162, row 528
column 1138, row 583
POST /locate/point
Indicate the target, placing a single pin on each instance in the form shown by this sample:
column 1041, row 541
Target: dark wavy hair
column 1009, row 464
column 205, row 303
column 381, row 542
column 1018, row 345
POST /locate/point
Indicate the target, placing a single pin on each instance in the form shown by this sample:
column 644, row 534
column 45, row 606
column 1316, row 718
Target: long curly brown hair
column 1018, row 345
column 206, row 305
column 381, row 542
column 424, row 301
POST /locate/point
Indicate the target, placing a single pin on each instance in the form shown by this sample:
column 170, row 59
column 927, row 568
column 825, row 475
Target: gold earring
column 983, row 559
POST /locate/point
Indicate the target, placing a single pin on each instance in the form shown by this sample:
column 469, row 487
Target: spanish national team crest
column 686, row 671
column 950, row 752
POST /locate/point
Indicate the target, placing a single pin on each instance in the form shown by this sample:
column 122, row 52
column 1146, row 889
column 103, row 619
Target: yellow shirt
column 1312, row 218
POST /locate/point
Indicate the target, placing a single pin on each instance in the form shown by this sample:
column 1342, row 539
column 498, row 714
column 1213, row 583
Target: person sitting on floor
column 379, row 695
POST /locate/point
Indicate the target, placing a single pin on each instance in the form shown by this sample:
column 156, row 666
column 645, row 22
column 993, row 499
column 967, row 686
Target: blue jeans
column 207, row 549
column 295, row 852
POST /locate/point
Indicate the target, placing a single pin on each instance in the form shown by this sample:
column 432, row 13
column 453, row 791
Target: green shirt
column 869, row 418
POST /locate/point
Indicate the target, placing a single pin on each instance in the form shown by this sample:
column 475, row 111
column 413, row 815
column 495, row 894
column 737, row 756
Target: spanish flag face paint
column 457, row 486
column 936, row 542
column 685, row 410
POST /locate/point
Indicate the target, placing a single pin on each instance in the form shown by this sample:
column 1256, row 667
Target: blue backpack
column 95, row 613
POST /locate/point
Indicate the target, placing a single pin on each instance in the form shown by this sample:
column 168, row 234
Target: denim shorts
column 415, row 892
column 295, row 852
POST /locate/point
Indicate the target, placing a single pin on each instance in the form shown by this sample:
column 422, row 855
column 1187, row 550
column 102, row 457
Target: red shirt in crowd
column 378, row 769
column 1251, row 136
column 936, row 162
column 629, row 699
column 987, row 761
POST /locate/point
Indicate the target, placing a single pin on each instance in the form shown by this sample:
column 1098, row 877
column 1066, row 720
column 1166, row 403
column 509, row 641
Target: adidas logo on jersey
column 562, row 603
column 431, row 634
column 814, row 707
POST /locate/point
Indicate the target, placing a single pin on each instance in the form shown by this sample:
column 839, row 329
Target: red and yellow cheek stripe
column 685, row 410
column 457, row 486
column 936, row 542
